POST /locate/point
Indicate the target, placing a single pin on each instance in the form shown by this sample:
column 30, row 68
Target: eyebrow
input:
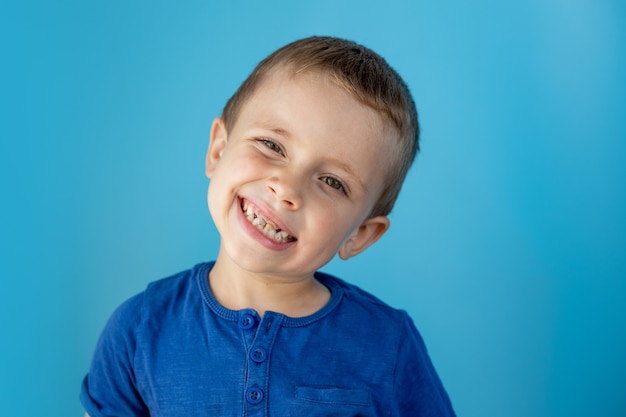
column 271, row 128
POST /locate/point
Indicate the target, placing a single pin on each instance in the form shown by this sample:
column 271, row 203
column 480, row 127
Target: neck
column 237, row 289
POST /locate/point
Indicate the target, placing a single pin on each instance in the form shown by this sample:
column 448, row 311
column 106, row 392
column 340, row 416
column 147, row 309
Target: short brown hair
column 363, row 74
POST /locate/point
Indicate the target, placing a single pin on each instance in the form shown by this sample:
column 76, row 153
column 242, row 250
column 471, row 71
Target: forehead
column 284, row 91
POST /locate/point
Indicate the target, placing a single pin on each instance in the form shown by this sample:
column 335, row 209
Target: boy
column 305, row 162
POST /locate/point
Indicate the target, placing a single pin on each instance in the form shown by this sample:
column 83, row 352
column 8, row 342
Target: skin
column 308, row 158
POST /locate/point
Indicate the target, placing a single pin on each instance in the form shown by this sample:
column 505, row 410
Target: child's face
column 293, row 181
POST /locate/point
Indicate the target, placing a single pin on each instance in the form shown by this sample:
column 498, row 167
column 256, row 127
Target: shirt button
column 246, row 321
column 258, row 354
column 254, row 395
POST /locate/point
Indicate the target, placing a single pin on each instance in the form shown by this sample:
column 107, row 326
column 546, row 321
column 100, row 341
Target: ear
column 364, row 236
column 219, row 137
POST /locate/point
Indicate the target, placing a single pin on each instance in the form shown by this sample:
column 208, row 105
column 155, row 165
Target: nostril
column 284, row 191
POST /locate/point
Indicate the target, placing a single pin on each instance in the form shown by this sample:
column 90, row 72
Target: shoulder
column 361, row 309
column 161, row 298
column 171, row 291
column 356, row 298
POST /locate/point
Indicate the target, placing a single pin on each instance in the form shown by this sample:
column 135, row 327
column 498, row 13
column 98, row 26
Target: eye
column 271, row 145
column 334, row 183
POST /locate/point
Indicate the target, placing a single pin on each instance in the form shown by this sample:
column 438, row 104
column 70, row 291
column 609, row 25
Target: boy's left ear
column 364, row 236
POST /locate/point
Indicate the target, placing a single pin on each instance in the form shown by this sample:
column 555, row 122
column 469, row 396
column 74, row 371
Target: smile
column 264, row 226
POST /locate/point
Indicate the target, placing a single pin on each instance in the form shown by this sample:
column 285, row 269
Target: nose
column 286, row 189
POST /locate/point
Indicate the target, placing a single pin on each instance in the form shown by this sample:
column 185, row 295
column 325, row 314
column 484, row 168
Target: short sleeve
column 110, row 389
column 417, row 389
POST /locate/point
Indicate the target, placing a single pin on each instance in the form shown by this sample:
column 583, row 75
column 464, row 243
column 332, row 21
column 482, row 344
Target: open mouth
column 267, row 228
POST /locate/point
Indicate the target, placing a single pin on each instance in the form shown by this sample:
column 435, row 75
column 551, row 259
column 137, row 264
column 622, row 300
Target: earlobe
column 364, row 236
column 219, row 137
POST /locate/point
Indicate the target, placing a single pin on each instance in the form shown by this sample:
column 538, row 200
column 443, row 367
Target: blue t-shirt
column 174, row 351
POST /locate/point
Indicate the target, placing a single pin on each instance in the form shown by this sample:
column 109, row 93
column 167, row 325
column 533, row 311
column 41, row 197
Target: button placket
column 248, row 322
column 259, row 363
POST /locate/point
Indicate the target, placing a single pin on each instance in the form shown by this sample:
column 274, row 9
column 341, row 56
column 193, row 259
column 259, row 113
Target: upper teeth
column 263, row 225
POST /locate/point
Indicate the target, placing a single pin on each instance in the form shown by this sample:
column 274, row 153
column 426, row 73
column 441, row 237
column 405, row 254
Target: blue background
column 508, row 243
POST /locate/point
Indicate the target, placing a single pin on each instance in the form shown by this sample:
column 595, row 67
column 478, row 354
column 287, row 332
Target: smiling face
column 295, row 178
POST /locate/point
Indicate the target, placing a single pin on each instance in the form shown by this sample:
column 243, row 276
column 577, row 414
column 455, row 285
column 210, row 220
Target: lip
column 255, row 233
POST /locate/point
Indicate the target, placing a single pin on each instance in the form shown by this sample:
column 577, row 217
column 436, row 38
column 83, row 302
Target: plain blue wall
column 507, row 246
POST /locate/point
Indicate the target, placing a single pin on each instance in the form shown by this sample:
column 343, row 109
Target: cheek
column 240, row 166
column 228, row 177
column 337, row 226
column 220, row 187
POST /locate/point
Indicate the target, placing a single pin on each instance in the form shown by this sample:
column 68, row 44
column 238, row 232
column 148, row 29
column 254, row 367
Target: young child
column 305, row 162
